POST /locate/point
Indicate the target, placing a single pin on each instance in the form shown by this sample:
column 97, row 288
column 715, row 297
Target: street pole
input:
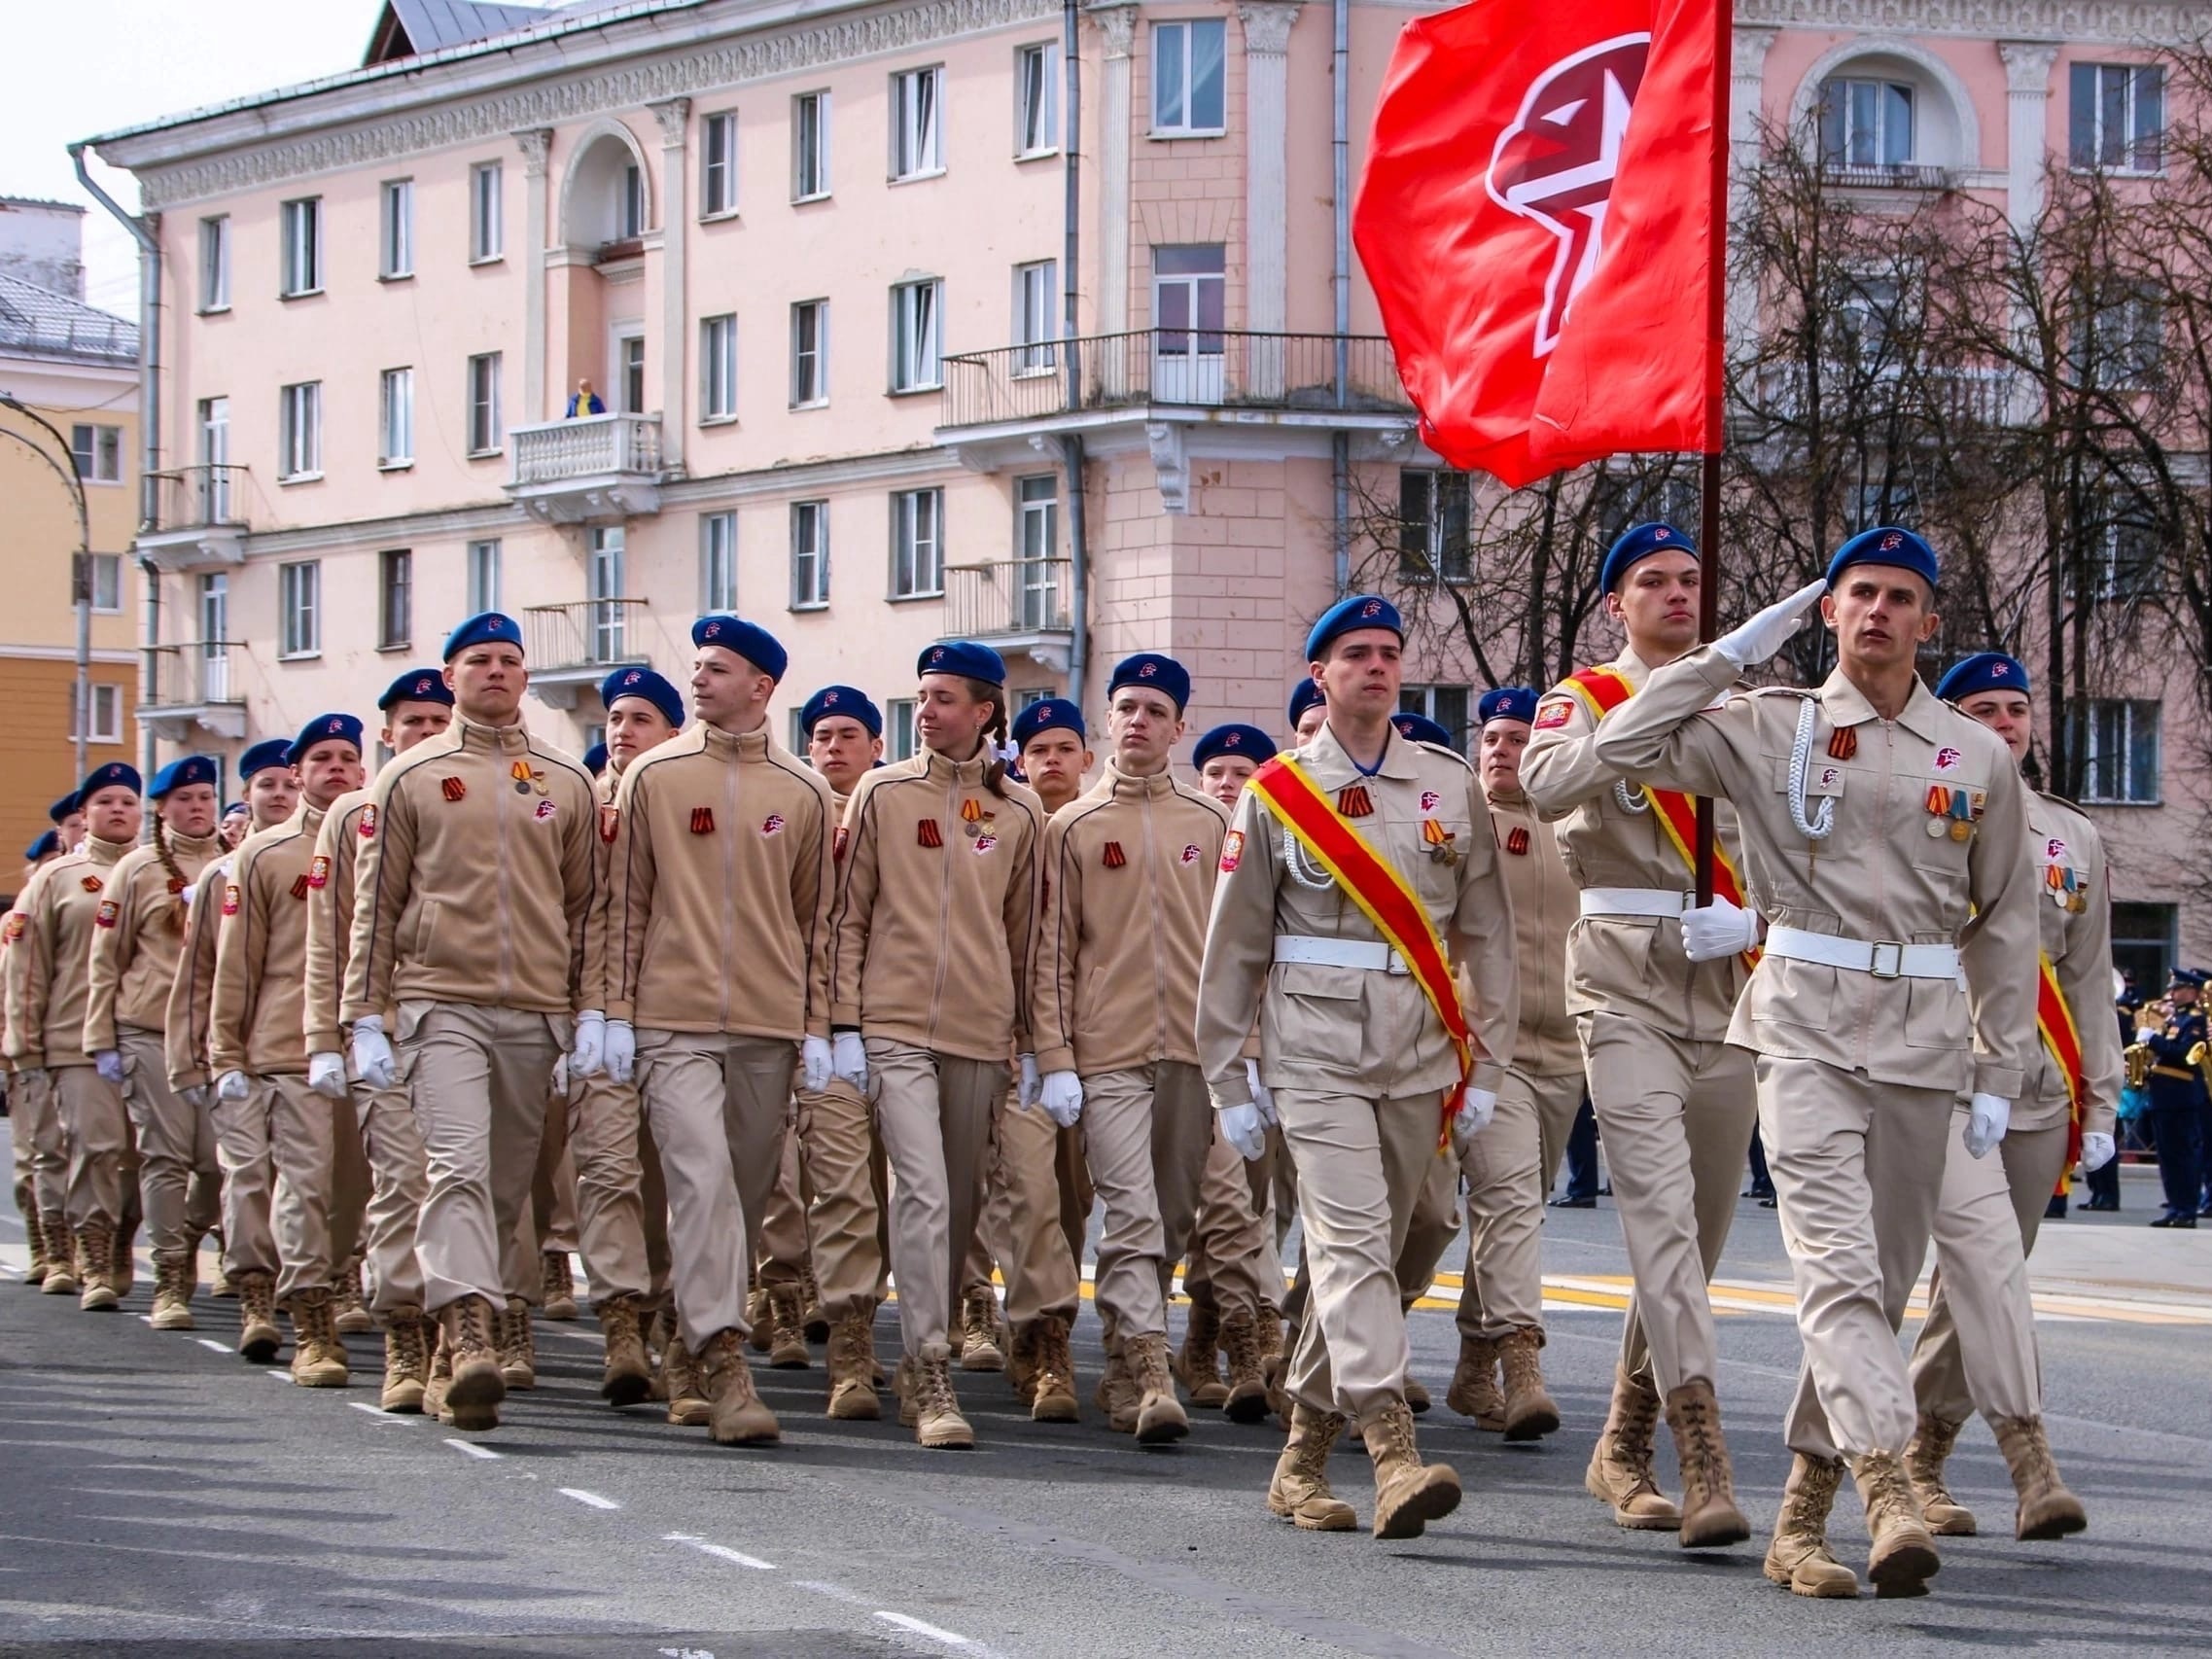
column 81, row 583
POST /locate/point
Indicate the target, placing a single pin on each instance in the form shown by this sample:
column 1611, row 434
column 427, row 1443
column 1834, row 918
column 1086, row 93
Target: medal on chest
column 2068, row 887
column 1953, row 810
column 1440, row 843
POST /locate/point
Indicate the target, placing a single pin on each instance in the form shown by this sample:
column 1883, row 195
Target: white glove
column 372, row 1057
column 1711, row 932
column 813, row 1064
column 108, row 1062
column 1243, row 1129
column 1263, row 1097
column 1026, row 1095
column 587, row 1054
column 1477, row 1107
column 325, row 1074
column 1988, row 1116
column 561, row 1077
column 195, row 1096
column 2098, row 1150
column 620, row 1053
column 848, row 1058
column 1061, row 1094
column 1770, row 630
column 2144, row 1033
column 231, row 1085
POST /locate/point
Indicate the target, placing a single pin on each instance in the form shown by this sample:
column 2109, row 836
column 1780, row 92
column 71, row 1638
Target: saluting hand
column 1766, row 633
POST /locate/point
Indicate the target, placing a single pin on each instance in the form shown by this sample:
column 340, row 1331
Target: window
column 717, row 176
column 916, row 123
column 2121, row 334
column 794, row 737
column 1036, row 596
column 1868, row 313
column 299, row 430
column 302, row 227
column 1445, row 705
column 916, row 344
column 2125, row 557
column 98, row 453
column 214, row 663
column 213, row 490
column 608, row 574
column 2121, row 757
column 396, row 245
column 107, row 582
column 107, row 716
column 299, row 605
column 1433, row 540
column 810, row 353
column 810, row 146
column 486, row 432
column 630, row 374
column 215, row 264
column 1033, row 325
column 718, row 368
column 2117, row 116
column 630, row 220
column 717, row 561
column 917, row 544
column 394, row 599
column 1866, row 124
column 1887, row 499
column 809, row 554
column 1187, row 78
column 1037, row 100
column 487, row 230
column 483, row 577
column 395, row 418
column 898, row 728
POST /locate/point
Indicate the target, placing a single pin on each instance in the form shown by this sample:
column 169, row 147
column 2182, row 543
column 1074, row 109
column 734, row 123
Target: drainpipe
column 1340, row 441
column 1072, row 443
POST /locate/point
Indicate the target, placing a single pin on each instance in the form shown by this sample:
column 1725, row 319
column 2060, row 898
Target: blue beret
column 48, row 841
column 268, row 752
column 964, row 657
column 321, row 729
column 1306, row 697
column 416, row 686
column 485, row 627
column 644, row 683
column 64, row 807
column 1160, row 673
column 1360, row 610
column 845, row 700
column 1507, row 702
column 1885, row 545
column 107, row 777
column 595, row 759
column 1640, row 542
column 181, row 774
column 751, row 641
column 1983, row 671
column 1420, row 729
column 1246, row 742
column 1047, row 714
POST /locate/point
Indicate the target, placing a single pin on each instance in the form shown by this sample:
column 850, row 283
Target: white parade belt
column 1884, row 959
column 1635, row 902
column 1339, row 953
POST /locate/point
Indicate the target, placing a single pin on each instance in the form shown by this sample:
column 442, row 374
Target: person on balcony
column 583, row 401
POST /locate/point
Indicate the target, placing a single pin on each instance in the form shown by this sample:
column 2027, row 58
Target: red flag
column 1537, row 217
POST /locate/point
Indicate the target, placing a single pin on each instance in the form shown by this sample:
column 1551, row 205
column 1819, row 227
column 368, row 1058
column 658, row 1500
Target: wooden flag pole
column 1716, row 341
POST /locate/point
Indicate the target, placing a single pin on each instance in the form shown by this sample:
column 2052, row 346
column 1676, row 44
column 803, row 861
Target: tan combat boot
column 95, row 1257
column 1247, row 1399
column 1300, row 1492
column 407, row 1360
column 440, row 1383
column 2046, row 1509
column 981, row 1334
column 1409, row 1494
column 479, row 1386
column 1902, row 1557
column 853, row 1369
column 218, row 1286
column 811, row 1311
column 927, row 1403
column 1529, row 1411
column 1926, row 1454
column 1474, row 1391
column 558, row 1280
column 787, row 1328
column 173, row 1284
column 1711, row 1519
column 516, row 1341
column 349, row 1309
column 60, row 1254
column 687, row 1404
column 1052, row 1381
column 1619, row 1475
column 1116, row 1394
column 34, row 1235
column 1275, row 1364
column 1160, row 1417
column 1416, row 1394
column 735, row 1415
column 1798, row 1557
column 628, row 1374
column 122, row 1274
column 258, row 1336
column 756, row 1314
column 1197, row 1362
column 317, row 1359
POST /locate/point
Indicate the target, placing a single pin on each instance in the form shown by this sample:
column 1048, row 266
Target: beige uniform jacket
column 1878, row 876
column 257, row 1022
column 1129, row 873
column 1624, row 964
column 475, row 876
column 719, row 879
column 49, row 961
column 936, row 909
column 1544, row 900
column 2075, row 918
column 136, row 944
column 1358, row 1030
column 330, row 919
column 184, row 1029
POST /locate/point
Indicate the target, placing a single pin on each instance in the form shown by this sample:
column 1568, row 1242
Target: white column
column 2027, row 109
column 1117, row 24
column 534, row 142
column 674, row 117
column 1746, row 115
column 1267, row 209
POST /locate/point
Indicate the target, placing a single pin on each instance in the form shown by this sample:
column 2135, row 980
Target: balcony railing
column 1176, row 367
column 1021, row 598
column 201, row 498
column 589, row 447
column 1894, row 175
column 1963, row 396
column 195, row 685
column 589, row 634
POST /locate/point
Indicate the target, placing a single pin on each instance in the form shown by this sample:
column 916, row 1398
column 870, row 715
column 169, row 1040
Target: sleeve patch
column 1232, row 850
column 1554, row 713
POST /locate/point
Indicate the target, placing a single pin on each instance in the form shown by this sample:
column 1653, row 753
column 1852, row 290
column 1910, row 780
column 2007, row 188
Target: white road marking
column 280, row 1373
column 473, row 1449
column 836, row 1591
column 380, row 1414
column 720, row 1552
column 591, row 1497
column 950, row 1638
column 145, row 1319
column 209, row 1343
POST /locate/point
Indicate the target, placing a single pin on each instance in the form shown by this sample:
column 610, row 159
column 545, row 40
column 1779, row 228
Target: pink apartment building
column 814, row 261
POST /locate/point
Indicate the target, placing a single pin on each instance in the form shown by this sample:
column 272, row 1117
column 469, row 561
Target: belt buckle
column 1399, row 965
column 1896, row 967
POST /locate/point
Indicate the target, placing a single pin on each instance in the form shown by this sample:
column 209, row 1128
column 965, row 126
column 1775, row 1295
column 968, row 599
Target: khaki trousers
column 1503, row 1289
column 1858, row 1170
column 1556, row 1111
column 1676, row 1118
column 837, row 1152
column 1977, row 1348
column 1020, row 1223
column 281, row 1209
column 477, row 1079
column 398, row 1185
column 39, row 1150
column 717, row 1105
column 1362, row 1165
column 1231, row 1263
column 622, row 1202
column 552, row 1189
column 1146, row 1132
column 1078, row 1195
column 102, row 1151
column 783, row 1254
column 935, row 1114
column 180, row 1183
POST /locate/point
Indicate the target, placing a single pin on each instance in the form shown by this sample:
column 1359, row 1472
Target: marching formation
column 770, row 1039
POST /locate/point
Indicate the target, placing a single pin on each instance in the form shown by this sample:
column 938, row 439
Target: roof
column 36, row 322
column 407, row 28
column 39, row 202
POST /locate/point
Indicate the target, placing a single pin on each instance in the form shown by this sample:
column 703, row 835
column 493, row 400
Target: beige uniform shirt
column 330, row 919
column 1632, row 966
column 49, row 959
column 1544, row 1044
column 184, row 1030
column 135, row 946
column 2075, row 919
column 936, row 909
column 475, row 876
column 719, row 884
column 1129, row 873
column 256, row 1018
column 1354, row 1030
column 1879, row 875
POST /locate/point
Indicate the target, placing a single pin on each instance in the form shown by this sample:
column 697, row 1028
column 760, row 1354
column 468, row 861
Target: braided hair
column 175, row 915
column 994, row 732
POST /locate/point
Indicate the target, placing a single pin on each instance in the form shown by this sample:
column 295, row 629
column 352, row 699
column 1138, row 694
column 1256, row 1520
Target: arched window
column 1867, row 122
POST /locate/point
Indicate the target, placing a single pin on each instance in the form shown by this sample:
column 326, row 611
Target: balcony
column 200, row 517
column 592, row 470
column 1020, row 604
column 194, row 685
column 572, row 647
column 1892, row 175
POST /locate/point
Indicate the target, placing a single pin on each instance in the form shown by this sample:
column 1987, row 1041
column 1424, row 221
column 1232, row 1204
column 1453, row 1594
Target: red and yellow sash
column 1383, row 896
column 1604, row 690
column 2054, row 1024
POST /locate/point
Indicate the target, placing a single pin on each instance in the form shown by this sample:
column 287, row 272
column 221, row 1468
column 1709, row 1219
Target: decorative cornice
column 1267, row 26
column 2027, row 66
column 1117, row 23
column 2137, row 22
column 1747, row 54
column 537, row 144
column 674, row 117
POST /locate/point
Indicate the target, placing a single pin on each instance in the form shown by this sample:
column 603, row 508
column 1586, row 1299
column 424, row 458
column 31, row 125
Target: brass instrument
column 2137, row 1056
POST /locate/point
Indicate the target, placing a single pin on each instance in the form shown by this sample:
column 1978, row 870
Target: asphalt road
column 160, row 1495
